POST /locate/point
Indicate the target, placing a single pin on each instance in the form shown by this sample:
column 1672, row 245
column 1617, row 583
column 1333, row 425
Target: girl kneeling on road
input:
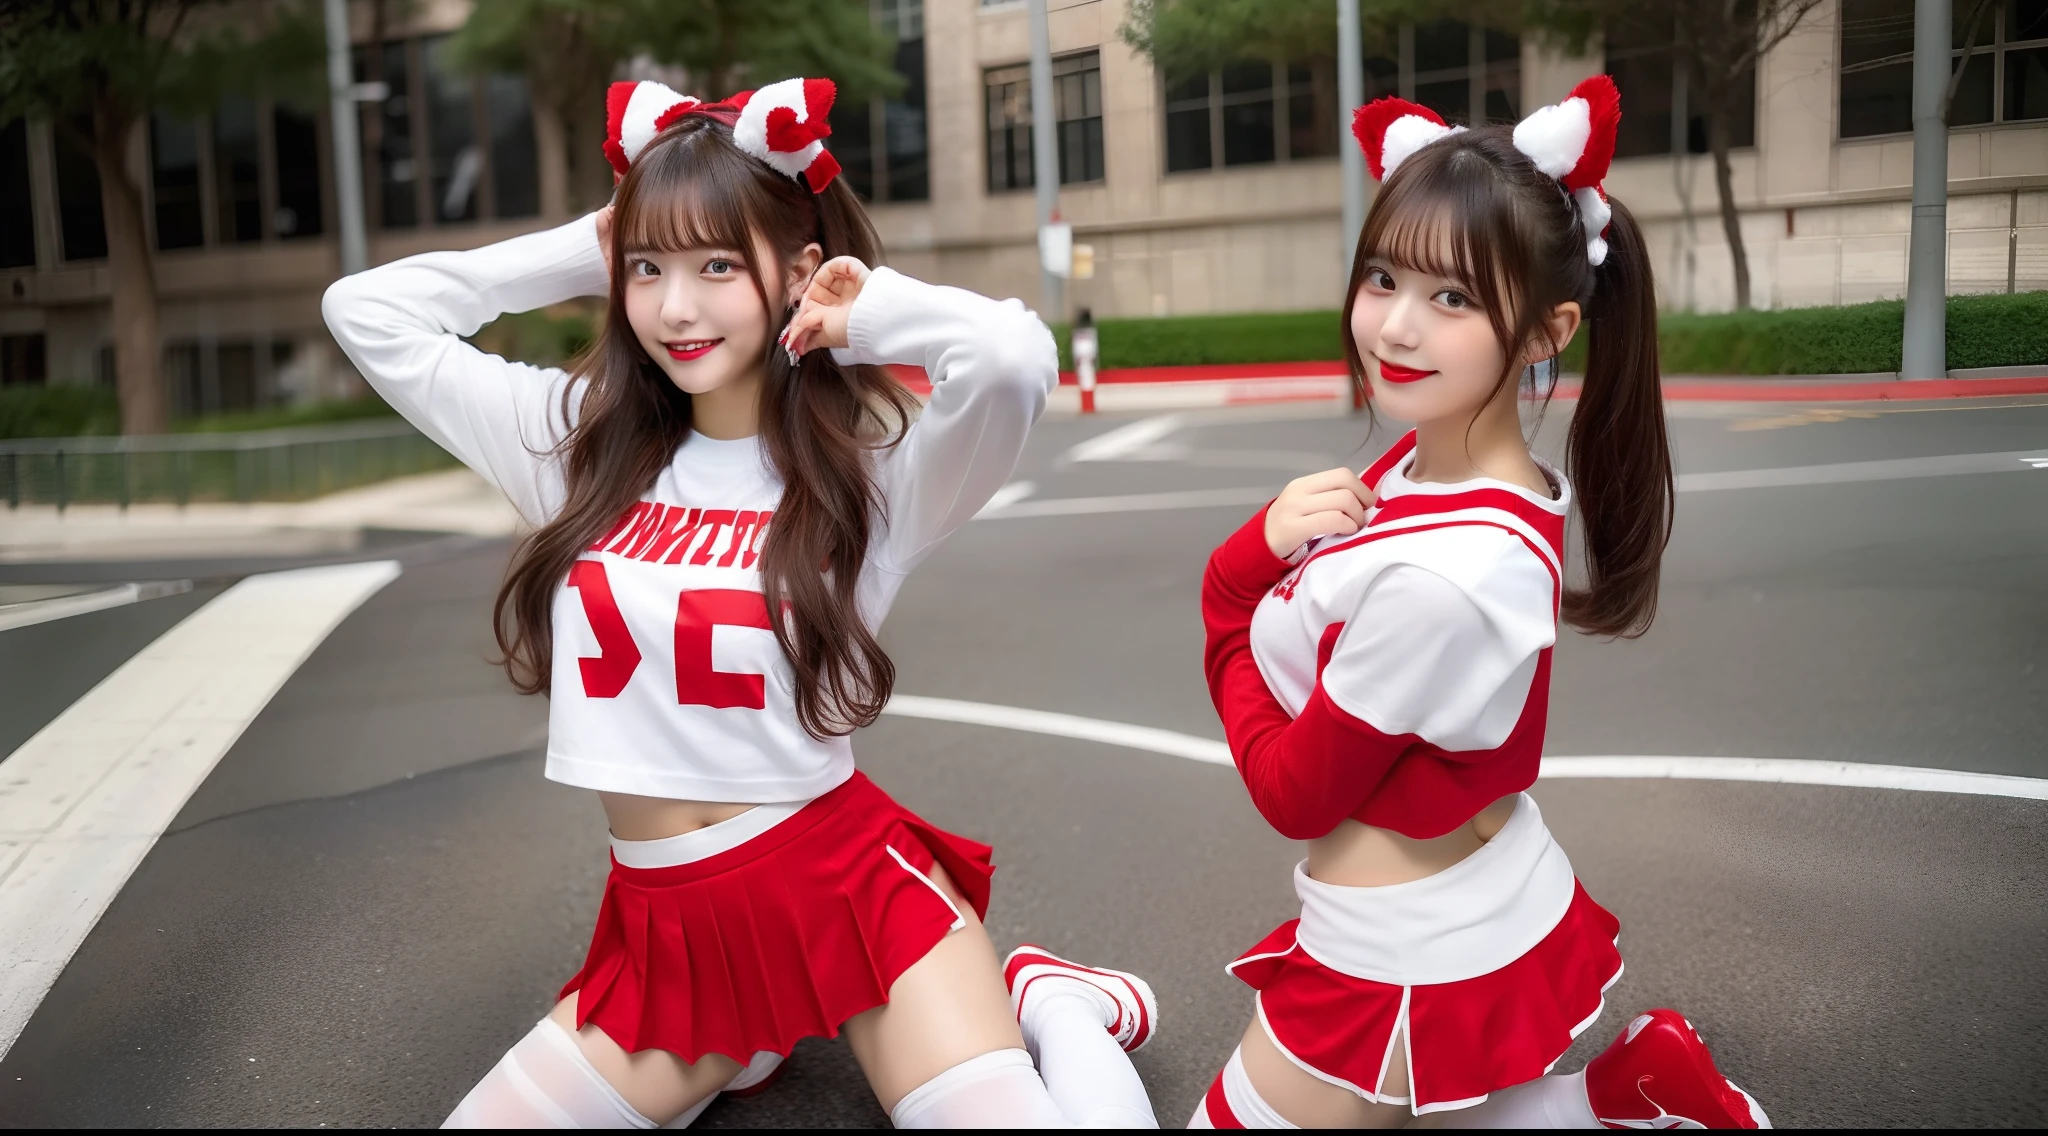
column 1379, row 651
column 724, row 511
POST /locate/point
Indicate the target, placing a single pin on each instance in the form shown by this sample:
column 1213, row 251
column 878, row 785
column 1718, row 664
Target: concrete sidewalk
column 453, row 501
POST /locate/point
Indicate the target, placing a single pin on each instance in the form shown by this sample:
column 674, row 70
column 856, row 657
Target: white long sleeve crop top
column 667, row 681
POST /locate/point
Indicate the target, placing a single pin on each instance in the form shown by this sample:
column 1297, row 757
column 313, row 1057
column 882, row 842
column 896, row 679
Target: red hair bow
column 783, row 124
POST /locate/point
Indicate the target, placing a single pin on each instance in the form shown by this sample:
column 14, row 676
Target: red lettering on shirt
column 626, row 518
column 606, row 673
column 760, row 529
column 697, row 683
column 673, row 529
column 650, row 515
column 742, row 528
column 715, row 520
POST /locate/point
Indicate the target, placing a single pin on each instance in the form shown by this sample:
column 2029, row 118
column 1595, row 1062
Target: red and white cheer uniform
column 791, row 918
column 1400, row 677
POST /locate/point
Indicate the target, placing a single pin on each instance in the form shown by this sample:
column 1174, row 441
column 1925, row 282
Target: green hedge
column 74, row 410
column 1983, row 331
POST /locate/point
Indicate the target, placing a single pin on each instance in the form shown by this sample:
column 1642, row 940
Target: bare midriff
column 657, row 818
column 1361, row 855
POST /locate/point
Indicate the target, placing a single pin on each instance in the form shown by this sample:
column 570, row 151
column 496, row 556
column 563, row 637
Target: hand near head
column 1321, row 504
column 827, row 302
column 604, row 238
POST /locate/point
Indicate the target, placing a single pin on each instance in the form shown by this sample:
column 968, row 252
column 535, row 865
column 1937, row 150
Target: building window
column 387, row 135
column 23, row 360
column 1655, row 89
column 883, row 146
column 79, row 222
column 421, row 147
column 237, row 172
column 457, row 162
column 515, row 166
column 1312, row 109
column 174, row 182
column 1245, row 95
column 17, row 203
column 295, row 140
column 1077, row 105
column 1253, row 112
column 2001, row 47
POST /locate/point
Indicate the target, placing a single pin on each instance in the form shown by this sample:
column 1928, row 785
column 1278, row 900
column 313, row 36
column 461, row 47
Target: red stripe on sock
column 1218, row 1106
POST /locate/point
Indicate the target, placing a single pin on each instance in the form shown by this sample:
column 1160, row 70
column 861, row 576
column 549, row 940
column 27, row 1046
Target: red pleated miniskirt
column 1489, row 968
column 781, row 938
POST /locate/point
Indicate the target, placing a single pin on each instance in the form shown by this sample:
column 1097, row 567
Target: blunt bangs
column 691, row 193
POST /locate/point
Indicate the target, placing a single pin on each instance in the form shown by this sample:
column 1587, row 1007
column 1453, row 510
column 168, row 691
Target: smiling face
column 1429, row 349
column 699, row 315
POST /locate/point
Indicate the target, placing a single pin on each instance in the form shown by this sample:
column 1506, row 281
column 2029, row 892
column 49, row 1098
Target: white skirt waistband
column 706, row 842
column 1472, row 918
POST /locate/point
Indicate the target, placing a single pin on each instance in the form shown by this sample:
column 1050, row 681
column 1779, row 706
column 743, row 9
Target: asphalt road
column 376, row 892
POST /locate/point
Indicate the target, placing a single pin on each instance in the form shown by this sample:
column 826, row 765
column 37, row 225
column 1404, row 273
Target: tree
column 96, row 69
column 569, row 51
column 1717, row 42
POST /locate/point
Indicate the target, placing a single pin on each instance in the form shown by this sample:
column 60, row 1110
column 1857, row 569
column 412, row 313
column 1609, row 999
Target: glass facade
column 17, row 203
column 174, row 182
column 2000, row 47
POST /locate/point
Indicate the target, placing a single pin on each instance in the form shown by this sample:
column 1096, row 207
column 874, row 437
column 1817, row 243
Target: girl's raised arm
column 403, row 324
column 992, row 364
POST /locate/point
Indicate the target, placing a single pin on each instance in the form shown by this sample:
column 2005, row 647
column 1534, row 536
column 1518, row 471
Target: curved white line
column 1781, row 771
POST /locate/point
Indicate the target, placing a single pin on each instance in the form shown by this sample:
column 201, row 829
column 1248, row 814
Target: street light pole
column 1350, row 96
column 1045, row 153
column 1926, row 333
column 348, row 150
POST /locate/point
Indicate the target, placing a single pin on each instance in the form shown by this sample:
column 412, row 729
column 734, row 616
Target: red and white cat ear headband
column 1572, row 141
column 783, row 124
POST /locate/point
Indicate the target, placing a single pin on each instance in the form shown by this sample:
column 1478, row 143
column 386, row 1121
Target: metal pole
column 1350, row 96
column 1926, row 333
column 1045, row 148
column 348, row 150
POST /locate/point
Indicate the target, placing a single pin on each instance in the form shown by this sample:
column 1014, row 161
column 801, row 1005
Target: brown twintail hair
column 820, row 425
column 1473, row 208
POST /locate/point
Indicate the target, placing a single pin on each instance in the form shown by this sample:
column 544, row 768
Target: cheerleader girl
column 1379, row 651
column 727, row 491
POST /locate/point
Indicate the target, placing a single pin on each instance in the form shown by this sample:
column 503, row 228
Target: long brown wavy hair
column 820, row 425
column 1519, row 244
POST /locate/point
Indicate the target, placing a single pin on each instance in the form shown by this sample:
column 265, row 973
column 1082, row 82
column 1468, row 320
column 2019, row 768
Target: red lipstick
column 1396, row 373
column 684, row 355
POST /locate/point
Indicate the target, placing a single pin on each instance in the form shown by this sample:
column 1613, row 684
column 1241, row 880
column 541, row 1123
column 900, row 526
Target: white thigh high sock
column 1546, row 1102
column 1088, row 1074
column 545, row 1082
column 994, row 1090
column 1247, row 1108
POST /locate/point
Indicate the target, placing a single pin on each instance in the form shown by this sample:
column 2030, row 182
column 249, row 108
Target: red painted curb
column 1766, row 390
column 1761, row 388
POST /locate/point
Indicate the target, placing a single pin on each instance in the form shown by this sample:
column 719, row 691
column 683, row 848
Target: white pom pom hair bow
column 1572, row 141
column 783, row 124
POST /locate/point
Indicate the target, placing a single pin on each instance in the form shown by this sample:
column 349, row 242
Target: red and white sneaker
column 760, row 1074
column 1658, row 1074
column 1034, row 972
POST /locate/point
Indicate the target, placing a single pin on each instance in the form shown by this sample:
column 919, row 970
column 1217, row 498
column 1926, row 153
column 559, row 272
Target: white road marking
column 1131, row 503
column 1008, row 495
column 58, row 607
column 1893, row 469
column 84, row 800
column 1124, row 441
column 1779, row 771
column 1060, row 725
column 1890, row 469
